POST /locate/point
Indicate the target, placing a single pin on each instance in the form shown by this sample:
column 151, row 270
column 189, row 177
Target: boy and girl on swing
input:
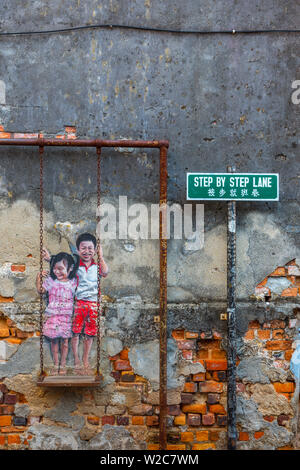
column 72, row 288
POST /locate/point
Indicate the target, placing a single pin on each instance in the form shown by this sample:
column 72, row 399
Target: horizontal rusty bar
column 85, row 143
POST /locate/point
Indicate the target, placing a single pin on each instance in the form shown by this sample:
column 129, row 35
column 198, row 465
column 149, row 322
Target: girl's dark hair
column 71, row 263
column 86, row 237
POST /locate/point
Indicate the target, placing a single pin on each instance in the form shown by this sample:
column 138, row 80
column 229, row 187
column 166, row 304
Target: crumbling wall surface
column 220, row 99
column 123, row 413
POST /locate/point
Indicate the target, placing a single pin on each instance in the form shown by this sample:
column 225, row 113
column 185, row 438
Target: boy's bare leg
column 74, row 342
column 88, row 341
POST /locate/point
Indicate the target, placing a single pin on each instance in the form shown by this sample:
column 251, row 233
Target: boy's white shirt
column 87, row 282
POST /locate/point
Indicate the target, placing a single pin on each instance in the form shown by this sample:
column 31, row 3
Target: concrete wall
column 219, row 99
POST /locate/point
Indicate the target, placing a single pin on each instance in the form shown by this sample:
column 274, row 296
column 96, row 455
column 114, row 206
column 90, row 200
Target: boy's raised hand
column 46, row 254
column 100, row 252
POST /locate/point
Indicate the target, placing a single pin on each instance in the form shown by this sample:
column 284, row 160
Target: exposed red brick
column 93, row 420
column 190, row 387
column 186, row 398
column 191, row 335
column 254, row 324
column 195, row 408
column 174, row 410
column 215, row 354
column 288, row 354
column 278, row 334
column 243, row 436
column 205, row 446
column 202, row 436
column 187, row 344
column 178, row 334
column 290, row 292
column 213, row 398
column 269, row 418
column 258, row 434
column 278, row 345
column 221, row 420
column 137, row 420
column 176, row 446
column 282, row 419
column 122, row 365
column 122, row 420
column 208, row 419
column 210, row 386
column 274, row 324
column 187, row 436
column 217, row 409
column 194, row 419
column 7, row 409
column 108, row 420
column 13, row 439
column 286, row 387
column 18, row 267
column 209, row 344
column 264, row 334
column 203, row 354
column 152, row 420
column 180, row 420
column 249, row 335
column 124, row 354
column 214, row 435
column 199, row 377
column 215, row 365
column 5, row 420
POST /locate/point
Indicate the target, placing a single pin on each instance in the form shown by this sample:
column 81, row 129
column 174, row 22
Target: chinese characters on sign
column 233, row 186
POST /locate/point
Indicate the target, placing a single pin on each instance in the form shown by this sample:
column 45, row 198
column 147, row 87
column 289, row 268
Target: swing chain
column 98, row 150
column 41, row 151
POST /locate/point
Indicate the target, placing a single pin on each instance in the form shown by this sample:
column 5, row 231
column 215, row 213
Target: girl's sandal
column 54, row 370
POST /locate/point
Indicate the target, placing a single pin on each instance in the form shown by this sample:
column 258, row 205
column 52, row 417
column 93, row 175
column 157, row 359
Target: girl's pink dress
column 60, row 308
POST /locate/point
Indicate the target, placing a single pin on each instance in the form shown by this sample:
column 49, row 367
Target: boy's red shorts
column 85, row 316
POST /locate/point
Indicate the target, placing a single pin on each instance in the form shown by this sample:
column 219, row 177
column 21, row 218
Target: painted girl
column 60, row 286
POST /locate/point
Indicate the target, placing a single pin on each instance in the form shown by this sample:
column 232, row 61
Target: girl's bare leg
column 64, row 353
column 54, row 349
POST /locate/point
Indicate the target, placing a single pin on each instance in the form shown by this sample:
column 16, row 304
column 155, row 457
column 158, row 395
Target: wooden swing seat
column 69, row 381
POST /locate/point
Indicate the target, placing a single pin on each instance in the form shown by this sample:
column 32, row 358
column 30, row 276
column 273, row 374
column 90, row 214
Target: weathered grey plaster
column 219, row 99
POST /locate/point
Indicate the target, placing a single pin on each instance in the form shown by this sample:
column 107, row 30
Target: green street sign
column 233, row 186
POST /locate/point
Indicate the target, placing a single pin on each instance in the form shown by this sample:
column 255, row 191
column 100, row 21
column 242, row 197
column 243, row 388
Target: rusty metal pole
column 231, row 321
column 163, row 301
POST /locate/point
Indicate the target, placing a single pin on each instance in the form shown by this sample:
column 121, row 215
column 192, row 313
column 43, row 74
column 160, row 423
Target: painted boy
column 85, row 308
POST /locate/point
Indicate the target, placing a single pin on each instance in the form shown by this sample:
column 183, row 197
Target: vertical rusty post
column 98, row 151
column 231, row 321
column 41, row 152
column 163, row 301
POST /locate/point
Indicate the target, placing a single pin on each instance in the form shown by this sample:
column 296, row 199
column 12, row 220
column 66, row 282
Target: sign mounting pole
column 232, row 187
column 231, row 321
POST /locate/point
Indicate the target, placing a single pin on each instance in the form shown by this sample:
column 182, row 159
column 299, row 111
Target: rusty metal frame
column 163, row 148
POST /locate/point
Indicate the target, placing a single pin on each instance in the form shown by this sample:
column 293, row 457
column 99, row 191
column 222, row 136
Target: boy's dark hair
column 86, row 237
column 71, row 263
